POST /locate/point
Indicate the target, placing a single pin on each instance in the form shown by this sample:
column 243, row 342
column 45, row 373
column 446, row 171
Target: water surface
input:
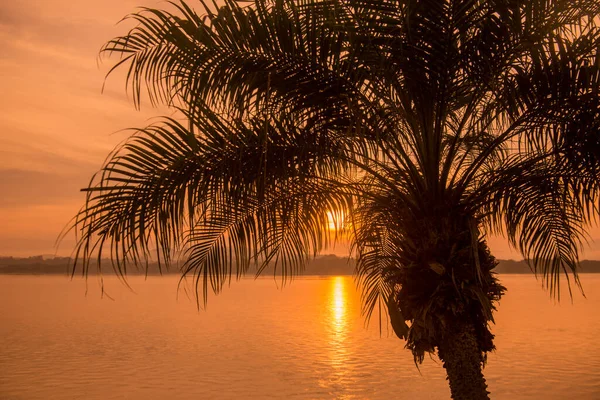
column 307, row 341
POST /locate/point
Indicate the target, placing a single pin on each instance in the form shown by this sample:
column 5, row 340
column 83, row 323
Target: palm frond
column 166, row 181
column 536, row 205
column 421, row 121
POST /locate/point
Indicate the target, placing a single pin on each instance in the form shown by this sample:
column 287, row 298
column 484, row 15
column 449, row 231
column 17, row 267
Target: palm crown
column 427, row 124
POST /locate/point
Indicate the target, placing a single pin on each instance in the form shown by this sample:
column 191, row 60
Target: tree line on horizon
column 326, row 265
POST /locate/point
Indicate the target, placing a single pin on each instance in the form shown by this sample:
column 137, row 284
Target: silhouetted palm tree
column 427, row 124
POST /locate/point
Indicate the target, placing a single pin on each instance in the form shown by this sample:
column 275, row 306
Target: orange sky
column 56, row 127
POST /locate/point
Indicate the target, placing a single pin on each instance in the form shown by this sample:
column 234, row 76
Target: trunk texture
column 463, row 361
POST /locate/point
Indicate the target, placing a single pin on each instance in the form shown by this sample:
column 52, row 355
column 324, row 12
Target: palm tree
column 426, row 124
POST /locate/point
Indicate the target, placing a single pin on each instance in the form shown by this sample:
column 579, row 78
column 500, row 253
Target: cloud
column 56, row 127
column 21, row 188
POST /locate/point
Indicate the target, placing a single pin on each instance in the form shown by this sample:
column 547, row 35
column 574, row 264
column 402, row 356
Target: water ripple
column 254, row 341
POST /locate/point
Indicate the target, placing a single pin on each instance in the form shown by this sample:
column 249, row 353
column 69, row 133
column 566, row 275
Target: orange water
column 307, row 341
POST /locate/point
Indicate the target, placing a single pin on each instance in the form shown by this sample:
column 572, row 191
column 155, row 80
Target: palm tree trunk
column 463, row 361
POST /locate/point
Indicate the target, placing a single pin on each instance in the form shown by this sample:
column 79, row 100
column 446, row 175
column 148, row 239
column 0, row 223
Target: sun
column 335, row 220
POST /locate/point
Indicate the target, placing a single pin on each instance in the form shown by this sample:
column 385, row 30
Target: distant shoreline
column 327, row 265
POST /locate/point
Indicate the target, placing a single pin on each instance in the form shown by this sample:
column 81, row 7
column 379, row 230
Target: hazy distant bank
column 41, row 265
column 323, row 265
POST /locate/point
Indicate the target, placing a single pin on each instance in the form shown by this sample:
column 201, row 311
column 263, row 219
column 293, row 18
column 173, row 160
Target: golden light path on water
column 339, row 348
column 338, row 303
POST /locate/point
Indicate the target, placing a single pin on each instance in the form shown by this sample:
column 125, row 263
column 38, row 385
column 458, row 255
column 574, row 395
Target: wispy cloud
column 56, row 127
column 28, row 188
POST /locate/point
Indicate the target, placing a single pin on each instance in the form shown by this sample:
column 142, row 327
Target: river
column 258, row 340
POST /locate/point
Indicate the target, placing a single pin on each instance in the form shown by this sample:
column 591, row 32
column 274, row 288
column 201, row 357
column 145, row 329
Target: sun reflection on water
column 338, row 304
column 338, row 328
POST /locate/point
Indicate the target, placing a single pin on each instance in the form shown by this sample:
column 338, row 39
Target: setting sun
column 335, row 221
